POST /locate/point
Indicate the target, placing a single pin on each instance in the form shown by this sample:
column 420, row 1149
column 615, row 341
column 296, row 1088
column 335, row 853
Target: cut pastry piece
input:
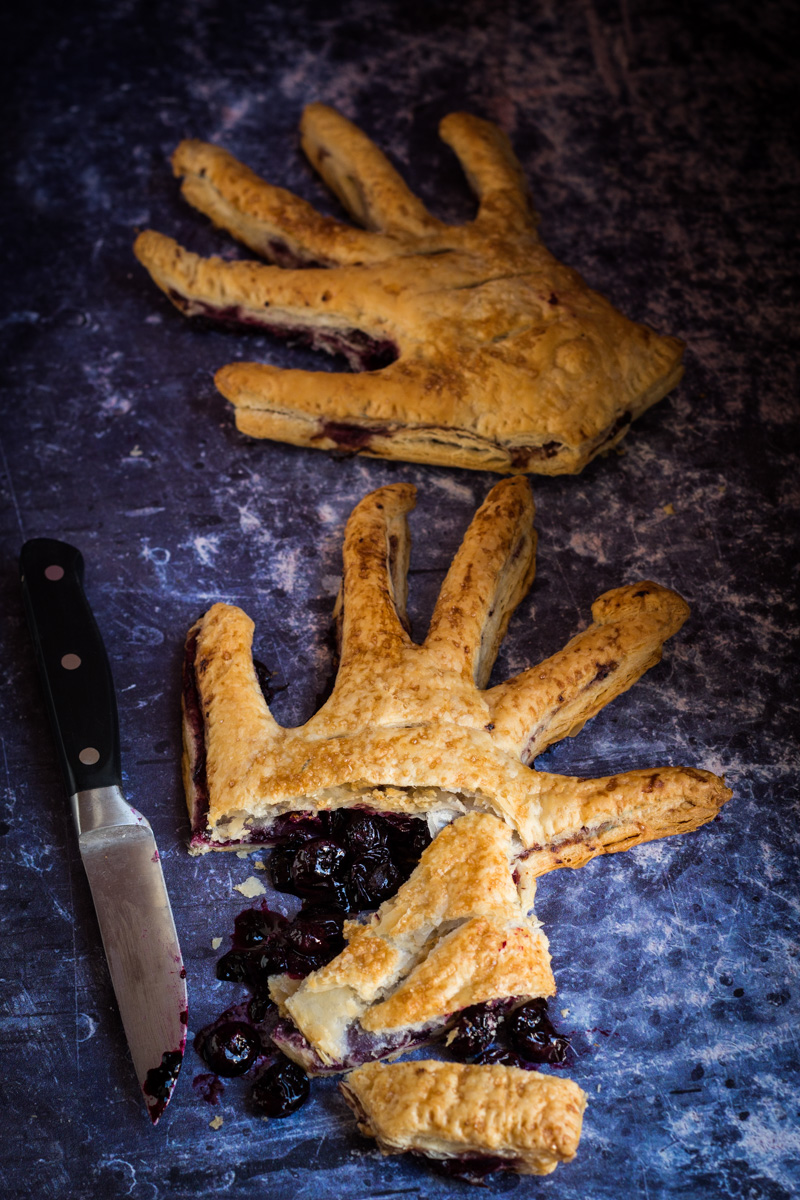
column 412, row 728
column 475, row 1119
column 456, row 934
column 504, row 359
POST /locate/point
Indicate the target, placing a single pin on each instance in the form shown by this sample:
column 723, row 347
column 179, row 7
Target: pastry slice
column 456, row 934
column 412, row 729
column 473, row 346
column 473, row 1119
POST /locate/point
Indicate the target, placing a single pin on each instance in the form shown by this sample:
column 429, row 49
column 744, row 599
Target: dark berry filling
column 522, row 455
column 352, row 858
column 281, row 1089
column 363, row 352
column 361, row 1047
column 229, row 1048
column 475, row 1029
column 196, row 744
column 315, row 865
column 497, row 1032
column 209, row 1088
column 469, row 1168
column 160, row 1081
column 531, row 1034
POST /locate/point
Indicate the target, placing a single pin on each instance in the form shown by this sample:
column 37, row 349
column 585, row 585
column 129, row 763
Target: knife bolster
column 102, row 808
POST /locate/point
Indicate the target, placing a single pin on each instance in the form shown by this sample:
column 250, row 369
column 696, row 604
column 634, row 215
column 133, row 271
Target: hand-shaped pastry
column 503, row 359
column 412, row 728
column 457, row 933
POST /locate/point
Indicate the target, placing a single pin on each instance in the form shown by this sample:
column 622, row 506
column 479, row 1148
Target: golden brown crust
column 444, row 1110
column 407, row 727
column 507, row 361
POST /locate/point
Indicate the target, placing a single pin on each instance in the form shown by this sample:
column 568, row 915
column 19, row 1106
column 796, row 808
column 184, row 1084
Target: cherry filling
column 469, row 1168
column 363, row 352
column 230, row 1048
column 281, row 1090
column 349, row 857
column 265, row 943
column 496, row 1032
column 160, row 1081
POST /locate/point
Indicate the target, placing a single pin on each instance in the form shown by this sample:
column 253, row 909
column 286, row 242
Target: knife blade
column 116, row 842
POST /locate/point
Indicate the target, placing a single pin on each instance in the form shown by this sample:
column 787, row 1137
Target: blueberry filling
column 265, row 944
column 196, row 744
column 522, row 455
column 315, row 865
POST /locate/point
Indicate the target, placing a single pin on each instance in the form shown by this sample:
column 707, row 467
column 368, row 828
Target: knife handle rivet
column 70, row 662
column 55, row 572
column 89, row 756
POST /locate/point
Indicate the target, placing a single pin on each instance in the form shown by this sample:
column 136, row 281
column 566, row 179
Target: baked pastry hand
column 504, row 359
column 412, row 728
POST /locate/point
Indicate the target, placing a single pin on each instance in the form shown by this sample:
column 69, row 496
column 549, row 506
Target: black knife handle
column 73, row 665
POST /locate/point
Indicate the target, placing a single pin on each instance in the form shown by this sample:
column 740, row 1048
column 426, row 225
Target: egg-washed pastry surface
column 476, row 347
column 481, row 1117
column 456, row 934
column 413, row 729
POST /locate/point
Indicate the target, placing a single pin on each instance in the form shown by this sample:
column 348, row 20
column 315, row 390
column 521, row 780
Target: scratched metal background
column 656, row 138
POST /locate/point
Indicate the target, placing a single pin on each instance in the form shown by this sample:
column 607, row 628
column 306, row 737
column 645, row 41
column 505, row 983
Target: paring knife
column 116, row 842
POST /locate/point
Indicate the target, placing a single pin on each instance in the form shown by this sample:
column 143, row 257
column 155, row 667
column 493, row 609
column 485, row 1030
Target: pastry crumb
column 251, row 887
column 669, row 509
column 565, row 1012
column 242, row 853
column 260, row 865
column 136, row 452
column 215, row 1123
column 216, row 943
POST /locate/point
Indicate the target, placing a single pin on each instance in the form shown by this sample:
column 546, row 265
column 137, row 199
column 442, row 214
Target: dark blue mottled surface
column 656, row 138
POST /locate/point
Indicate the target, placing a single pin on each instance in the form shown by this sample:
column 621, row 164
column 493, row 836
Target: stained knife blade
column 116, row 842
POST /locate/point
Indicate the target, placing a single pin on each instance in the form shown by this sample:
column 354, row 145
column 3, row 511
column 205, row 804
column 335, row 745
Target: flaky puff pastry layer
column 528, row 1121
column 457, row 933
column 412, row 728
column 504, row 359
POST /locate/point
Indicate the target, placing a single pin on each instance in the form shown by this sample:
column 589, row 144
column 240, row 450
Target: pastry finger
column 304, row 305
column 547, row 702
column 477, row 1119
column 491, row 572
column 492, row 168
column 361, row 175
column 366, row 413
column 273, row 222
column 575, row 820
column 371, row 607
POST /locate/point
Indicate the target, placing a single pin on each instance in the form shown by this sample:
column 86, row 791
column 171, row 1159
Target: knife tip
column 160, row 1081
